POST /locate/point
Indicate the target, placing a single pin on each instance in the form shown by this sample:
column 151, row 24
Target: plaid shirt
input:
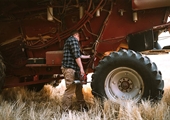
column 71, row 52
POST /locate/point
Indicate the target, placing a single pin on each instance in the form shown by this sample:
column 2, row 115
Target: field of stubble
column 20, row 104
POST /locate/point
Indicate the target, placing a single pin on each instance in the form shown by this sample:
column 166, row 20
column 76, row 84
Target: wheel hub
column 125, row 84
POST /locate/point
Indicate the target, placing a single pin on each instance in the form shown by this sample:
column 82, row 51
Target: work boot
column 81, row 106
column 84, row 108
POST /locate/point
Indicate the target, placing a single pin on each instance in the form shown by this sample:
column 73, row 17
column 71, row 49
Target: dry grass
column 21, row 104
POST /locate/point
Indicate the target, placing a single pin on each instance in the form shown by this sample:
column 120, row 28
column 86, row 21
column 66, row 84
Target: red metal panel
column 148, row 4
column 118, row 25
column 54, row 57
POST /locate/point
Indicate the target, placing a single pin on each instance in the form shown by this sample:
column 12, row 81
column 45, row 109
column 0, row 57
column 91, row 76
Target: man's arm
column 79, row 63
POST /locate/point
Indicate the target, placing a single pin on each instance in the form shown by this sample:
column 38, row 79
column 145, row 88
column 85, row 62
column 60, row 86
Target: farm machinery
column 113, row 32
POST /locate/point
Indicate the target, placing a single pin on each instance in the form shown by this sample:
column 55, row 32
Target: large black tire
column 2, row 73
column 127, row 75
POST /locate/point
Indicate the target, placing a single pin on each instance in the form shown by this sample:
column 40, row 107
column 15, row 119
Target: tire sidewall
column 123, row 61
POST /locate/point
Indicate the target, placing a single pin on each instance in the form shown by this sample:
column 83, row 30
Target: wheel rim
column 124, row 83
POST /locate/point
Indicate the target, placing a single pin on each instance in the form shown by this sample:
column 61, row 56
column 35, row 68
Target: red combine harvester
column 113, row 32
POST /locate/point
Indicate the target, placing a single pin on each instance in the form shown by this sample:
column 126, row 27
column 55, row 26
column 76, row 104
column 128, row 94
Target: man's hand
column 83, row 79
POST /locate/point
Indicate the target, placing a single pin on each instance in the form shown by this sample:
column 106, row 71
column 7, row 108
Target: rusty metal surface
column 25, row 31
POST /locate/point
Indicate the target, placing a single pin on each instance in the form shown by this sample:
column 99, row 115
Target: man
column 72, row 63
